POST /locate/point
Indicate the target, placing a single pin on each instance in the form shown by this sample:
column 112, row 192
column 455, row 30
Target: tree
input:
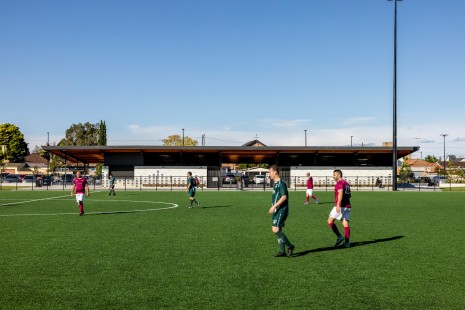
column 99, row 170
column 81, row 135
column 247, row 166
column 405, row 171
column 13, row 140
column 431, row 159
column 102, row 133
column 176, row 140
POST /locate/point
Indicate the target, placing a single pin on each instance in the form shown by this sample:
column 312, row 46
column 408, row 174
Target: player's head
column 308, row 174
column 78, row 174
column 111, row 175
column 274, row 172
column 189, row 174
column 337, row 174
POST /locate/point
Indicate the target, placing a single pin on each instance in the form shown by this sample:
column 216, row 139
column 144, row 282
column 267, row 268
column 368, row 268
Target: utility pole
column 394, row 112
column 444, row 135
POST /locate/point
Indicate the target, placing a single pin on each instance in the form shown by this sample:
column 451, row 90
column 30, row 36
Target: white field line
column 29, row 200
column 172, row 206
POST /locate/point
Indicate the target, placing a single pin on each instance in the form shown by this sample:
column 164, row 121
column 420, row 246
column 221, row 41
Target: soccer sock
column 81, row 207
column 281, row 244
column 347, row 233
column 314, row 198
column 334, row 228
column 191, row 201
column 196, row 202
column 283, row 237
column 306, row 198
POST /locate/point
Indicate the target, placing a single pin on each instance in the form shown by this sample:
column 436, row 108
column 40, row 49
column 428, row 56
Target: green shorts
column 279, row 217
column 191, row 192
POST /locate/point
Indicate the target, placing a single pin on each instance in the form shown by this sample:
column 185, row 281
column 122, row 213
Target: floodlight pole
column 351, row 140
column 305, row 137
column 444, row 135
column 394, row 111
column 183, row 137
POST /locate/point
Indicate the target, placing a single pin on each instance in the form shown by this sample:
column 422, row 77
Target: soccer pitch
column 147, row 250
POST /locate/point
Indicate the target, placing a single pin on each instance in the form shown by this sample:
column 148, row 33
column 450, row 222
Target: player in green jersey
column 279, row 210
column 112, row 184
column 191, row 188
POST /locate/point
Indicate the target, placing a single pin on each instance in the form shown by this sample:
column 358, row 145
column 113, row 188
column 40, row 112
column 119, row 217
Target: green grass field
column 407, row 252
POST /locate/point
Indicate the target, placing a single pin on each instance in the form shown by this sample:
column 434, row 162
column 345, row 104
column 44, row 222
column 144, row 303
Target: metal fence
column 177, row 183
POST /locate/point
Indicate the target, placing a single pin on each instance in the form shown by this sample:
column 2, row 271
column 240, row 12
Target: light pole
column 394, row 111
column 183, row 137
column 305, row 137
column 444, row 135
column 351, row 140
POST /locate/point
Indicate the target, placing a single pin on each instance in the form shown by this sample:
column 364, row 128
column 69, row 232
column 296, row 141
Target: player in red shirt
column 309, row 192
column 341, row 210
column 81, row 186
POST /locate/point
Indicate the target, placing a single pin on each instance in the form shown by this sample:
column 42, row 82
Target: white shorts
column 343, row 215
column 79, row 197
column 309, row 191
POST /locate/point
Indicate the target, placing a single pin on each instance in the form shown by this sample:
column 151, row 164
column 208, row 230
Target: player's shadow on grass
column 322, row 203
column 352, row 245
column 110, row 212
column 211, row 207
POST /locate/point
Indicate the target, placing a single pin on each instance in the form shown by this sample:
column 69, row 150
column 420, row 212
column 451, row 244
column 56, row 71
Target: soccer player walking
column 112, row 184
column 80, row 186
column 309, row 192
column 280, row 210
column 341, row 210
column 191, row 188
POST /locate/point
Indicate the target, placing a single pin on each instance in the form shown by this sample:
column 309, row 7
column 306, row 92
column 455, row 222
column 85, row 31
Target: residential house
column 422, row 168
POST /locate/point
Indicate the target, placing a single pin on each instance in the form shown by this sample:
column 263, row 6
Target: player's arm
column 277, row 204
column 87, row 189
column 340, row 193
column 72, row 189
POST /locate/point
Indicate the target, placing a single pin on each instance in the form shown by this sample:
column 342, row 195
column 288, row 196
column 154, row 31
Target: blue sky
column 236, row 70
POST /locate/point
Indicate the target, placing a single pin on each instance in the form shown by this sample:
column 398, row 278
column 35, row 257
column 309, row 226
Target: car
column 437, row 179
column 47, row 180
column 68, row 178
column 229, row 178
column 12, row 178
column 259, row 179
column 28, row 179
column 3, row 175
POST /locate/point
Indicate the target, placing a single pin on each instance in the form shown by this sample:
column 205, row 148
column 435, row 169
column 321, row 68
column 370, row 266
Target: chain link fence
column 177, row 183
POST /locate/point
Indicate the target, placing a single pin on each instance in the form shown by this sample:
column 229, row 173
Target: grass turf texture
column 407, row 252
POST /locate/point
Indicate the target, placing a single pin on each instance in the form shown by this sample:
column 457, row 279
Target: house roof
column 421, row 163
column 35, row 159
column 254, row 143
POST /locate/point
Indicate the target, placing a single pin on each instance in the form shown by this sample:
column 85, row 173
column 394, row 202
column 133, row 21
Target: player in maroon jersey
column 309, row 192
column 341, row 210
column 81, row 187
